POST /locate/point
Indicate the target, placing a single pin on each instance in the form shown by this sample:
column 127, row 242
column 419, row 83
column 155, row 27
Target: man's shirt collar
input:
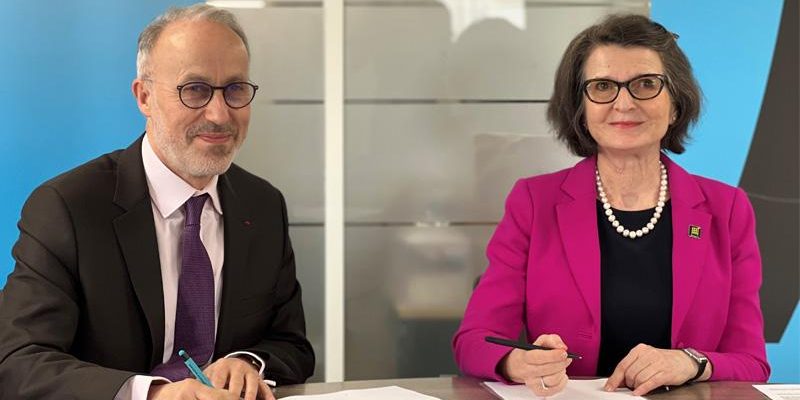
column 168, row 190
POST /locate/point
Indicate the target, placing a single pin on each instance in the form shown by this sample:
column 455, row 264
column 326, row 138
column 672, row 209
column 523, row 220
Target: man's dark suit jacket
column 83, row 309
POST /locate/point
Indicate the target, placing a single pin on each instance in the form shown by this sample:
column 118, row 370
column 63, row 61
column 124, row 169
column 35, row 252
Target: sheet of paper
column 577, row 389
column 383, row 393
column 780, row 392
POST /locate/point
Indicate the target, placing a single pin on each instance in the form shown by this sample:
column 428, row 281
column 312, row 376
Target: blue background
column 68, row 67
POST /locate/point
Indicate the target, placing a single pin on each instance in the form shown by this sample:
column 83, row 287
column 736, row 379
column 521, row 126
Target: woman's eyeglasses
column 643, row 87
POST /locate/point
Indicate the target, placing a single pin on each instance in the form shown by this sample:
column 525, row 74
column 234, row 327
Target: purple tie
column 194, row 314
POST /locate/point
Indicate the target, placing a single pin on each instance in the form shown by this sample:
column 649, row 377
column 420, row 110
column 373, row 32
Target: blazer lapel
column 577, row 224
column 136, row 235
column 689, row 249
column 238, row 227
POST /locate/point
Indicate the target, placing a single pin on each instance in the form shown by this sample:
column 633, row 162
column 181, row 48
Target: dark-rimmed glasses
column 198, row 94
column 642, row 87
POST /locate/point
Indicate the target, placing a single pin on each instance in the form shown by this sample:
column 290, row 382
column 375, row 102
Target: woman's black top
column 635, row 285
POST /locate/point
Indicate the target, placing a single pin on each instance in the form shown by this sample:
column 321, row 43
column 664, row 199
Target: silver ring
column 544, row 387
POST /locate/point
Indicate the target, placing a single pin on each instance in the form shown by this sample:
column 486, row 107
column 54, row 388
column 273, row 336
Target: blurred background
column 443, row 109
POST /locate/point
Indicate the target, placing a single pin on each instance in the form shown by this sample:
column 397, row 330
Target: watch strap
column 700, row 360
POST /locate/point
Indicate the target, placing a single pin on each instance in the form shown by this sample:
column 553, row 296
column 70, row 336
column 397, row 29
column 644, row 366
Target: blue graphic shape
column 784, row 357
column 730, row 46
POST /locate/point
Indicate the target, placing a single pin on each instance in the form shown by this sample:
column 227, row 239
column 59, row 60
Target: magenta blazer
column 544, row 272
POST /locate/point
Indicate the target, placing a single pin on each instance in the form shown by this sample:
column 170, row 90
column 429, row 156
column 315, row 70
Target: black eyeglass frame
column 661, row 77
column 214, row 90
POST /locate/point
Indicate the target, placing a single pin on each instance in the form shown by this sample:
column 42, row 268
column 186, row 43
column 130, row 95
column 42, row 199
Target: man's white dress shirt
column 168, row 193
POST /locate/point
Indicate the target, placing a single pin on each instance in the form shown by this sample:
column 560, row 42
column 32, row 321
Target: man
column 161, row 247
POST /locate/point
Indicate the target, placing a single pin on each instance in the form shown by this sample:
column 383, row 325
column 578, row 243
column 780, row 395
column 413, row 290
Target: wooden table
column 458, row 388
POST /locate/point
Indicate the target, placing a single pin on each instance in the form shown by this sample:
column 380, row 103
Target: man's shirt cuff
column 256, row 360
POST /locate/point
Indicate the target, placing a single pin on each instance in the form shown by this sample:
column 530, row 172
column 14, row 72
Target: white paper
column 780, row 392
column 383, row 393
column 577, row 389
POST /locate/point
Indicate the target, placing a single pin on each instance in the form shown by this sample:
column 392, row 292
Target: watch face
column 695, row 354
column 698, row 358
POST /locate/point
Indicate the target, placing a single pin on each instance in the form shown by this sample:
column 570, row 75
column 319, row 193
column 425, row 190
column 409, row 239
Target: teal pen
column 193, row 368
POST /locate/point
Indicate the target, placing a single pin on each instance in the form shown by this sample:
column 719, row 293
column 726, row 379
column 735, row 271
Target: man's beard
column 186, row 160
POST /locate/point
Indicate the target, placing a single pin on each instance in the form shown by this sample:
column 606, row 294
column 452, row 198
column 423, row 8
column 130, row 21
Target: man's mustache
column 210, row 127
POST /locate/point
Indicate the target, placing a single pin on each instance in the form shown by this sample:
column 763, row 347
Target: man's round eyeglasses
column 198, row 94
column 642, row 87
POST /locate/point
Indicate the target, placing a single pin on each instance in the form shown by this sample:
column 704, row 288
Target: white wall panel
column 450, row 162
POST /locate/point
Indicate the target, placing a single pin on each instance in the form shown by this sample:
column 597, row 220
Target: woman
column 649, row 273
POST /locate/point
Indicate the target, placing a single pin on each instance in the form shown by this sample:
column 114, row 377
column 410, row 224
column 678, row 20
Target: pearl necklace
column 662, row 197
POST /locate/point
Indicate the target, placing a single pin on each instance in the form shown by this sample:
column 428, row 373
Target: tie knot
column 193, row 208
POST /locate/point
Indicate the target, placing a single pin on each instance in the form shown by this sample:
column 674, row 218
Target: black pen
column 525, row 346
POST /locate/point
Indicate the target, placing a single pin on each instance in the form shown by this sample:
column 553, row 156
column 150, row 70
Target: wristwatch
column 699, row 359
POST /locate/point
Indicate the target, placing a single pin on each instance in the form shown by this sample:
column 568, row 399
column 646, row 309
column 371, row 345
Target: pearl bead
column 662, row 198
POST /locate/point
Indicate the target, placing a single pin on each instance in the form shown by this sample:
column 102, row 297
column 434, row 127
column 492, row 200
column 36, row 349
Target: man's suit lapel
column 136, row 235
column 577, row 224
column 688, row 251
column 238, row 226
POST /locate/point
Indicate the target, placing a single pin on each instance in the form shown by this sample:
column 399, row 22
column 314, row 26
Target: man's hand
column 188, row 389
column 239, row 377
column 646, row 368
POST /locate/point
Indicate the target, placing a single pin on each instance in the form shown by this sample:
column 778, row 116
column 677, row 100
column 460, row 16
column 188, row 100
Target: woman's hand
column 542, row 371
column 646, row 368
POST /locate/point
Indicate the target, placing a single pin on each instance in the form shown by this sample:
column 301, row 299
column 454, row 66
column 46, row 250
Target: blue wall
column 68, row 68
column 65, row 98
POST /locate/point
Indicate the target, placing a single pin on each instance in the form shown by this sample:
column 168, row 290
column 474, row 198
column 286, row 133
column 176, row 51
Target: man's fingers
column 218, row 378
column 236, row 382
column 264, row 392
column 251, row 387
column 207, row 393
